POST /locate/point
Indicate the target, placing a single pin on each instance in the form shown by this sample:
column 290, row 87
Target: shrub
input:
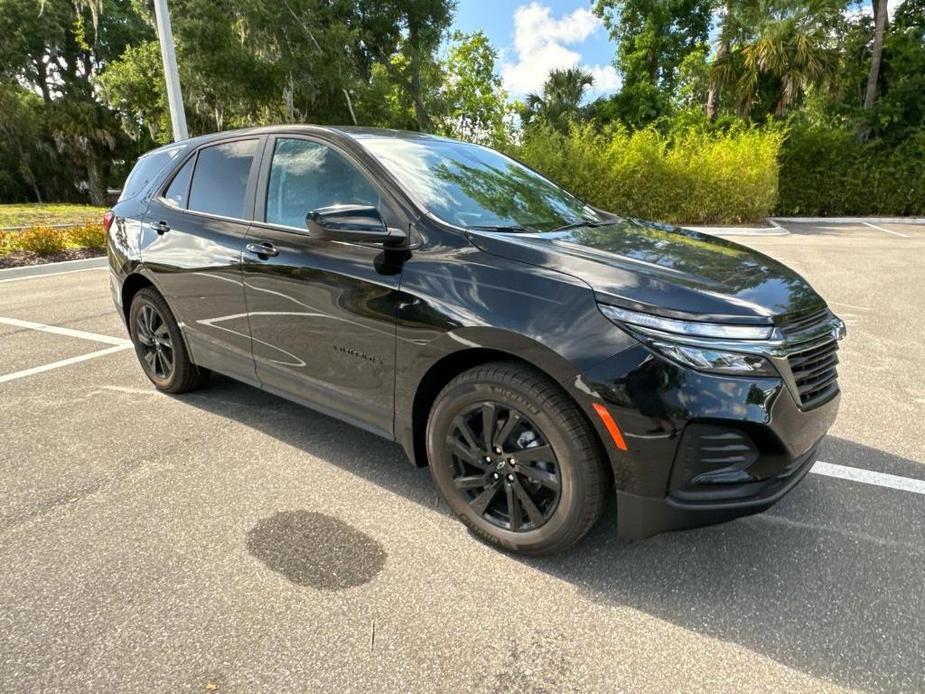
column 88, row 236
column 687, row 177
column 826, row 171
column 41, row 240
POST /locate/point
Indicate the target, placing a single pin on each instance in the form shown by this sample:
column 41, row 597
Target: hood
column 665, row 270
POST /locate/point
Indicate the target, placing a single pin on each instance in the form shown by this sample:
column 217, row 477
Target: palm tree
column 560, row 100
column 790, row 44
column 722, row 50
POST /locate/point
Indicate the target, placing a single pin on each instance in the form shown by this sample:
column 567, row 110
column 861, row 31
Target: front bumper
column 702, row 448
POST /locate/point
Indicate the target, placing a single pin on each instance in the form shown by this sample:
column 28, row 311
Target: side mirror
column 355, row 223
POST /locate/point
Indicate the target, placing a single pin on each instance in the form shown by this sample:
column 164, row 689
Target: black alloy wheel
column 159, row 344
column 156, row 345
column 504, row 466
column 515, row 458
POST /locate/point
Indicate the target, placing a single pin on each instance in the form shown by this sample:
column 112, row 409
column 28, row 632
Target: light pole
column 169, row 57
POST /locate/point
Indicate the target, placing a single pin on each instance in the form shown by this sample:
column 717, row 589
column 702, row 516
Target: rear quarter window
column 146, row 170
column 178, row 190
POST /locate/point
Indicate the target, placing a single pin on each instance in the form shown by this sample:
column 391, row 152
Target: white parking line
column 51, row 274
column 888, row 231
column 878, row 479
column 64, row 362
column 69, row 332
column 856, row 308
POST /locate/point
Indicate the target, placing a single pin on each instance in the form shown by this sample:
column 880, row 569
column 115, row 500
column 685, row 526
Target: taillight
column 107, row 220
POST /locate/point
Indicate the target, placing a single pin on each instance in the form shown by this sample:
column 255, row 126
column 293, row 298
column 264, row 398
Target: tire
column 558, row 463
column 159, row 345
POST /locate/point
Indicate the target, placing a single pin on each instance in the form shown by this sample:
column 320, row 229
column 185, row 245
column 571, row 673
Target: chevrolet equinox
column 536, row 353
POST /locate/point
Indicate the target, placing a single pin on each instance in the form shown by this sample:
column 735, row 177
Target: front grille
column 812, row 344
column 814, row 372
column 797, row 329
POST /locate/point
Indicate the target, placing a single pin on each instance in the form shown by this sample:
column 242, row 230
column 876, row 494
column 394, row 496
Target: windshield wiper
column 501, row 227
column 578, row 225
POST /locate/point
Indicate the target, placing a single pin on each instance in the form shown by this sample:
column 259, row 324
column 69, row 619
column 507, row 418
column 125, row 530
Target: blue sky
column 535, row 36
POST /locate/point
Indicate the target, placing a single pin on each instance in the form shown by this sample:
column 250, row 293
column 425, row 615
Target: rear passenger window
column 178, row 190
column 220, row 179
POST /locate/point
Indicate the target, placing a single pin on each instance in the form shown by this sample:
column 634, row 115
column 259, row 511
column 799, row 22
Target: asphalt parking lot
column 227, row 540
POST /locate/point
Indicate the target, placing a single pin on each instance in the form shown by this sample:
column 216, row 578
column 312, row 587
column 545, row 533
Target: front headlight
column 688, row 343
column 715, row 360
column 685, row 327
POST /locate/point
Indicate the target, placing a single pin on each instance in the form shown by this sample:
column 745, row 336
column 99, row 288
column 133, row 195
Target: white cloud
column 540, row 42
column 606, row 78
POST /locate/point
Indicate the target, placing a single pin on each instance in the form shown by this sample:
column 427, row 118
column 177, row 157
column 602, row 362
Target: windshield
column 473, row 186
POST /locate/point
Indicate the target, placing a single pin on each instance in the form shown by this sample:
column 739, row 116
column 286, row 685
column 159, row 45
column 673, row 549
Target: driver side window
column 306, row 175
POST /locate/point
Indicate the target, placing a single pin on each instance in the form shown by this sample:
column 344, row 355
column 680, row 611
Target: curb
column 774, row 230
column 64, row 225
column 849, row 220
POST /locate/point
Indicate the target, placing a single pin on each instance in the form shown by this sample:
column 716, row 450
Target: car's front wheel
column 159, row 345
column 515, row 459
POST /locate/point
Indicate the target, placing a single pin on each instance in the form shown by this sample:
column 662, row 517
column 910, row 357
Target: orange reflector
column 611, row 425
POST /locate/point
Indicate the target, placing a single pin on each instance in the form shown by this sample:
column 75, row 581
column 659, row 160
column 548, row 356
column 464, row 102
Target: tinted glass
column 470, row 185
column 305, row 176
column 145, row 170
column 177, row 190
column 220, row 179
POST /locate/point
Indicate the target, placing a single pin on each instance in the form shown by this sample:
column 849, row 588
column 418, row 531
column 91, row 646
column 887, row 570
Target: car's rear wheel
column 159, row 345
column 515, row 459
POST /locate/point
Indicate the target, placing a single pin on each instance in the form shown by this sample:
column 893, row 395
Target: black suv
column 535, row 352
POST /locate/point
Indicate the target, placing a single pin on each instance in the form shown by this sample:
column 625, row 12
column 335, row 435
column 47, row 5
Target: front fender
column 458, row 350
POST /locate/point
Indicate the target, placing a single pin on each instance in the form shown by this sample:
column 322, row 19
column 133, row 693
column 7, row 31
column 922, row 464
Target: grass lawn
column 34, row 214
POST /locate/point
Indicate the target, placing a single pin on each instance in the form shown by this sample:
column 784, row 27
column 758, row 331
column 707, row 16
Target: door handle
column 263, row 250
column 161, row 227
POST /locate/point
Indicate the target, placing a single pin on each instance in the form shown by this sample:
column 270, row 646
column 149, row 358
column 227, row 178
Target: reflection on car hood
column 664, row 269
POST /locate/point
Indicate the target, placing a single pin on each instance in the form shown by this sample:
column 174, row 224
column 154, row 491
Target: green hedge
column 690, row 177
column 827, row 172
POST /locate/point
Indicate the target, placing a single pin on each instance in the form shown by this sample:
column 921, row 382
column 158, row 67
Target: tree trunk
column 417, row 90
column 27, row 171
column 95, row 183
column 712, row 105
column 880, row 15
column 353, row 116
column 420, row 112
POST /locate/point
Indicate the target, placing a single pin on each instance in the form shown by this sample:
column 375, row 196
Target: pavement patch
column 316, row 550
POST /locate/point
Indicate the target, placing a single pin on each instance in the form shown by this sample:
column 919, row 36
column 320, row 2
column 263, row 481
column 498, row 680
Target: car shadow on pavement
column 829, row 582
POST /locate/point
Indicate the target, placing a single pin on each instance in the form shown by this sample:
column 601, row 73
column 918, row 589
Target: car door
column 194, row 235
column 322, row 313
